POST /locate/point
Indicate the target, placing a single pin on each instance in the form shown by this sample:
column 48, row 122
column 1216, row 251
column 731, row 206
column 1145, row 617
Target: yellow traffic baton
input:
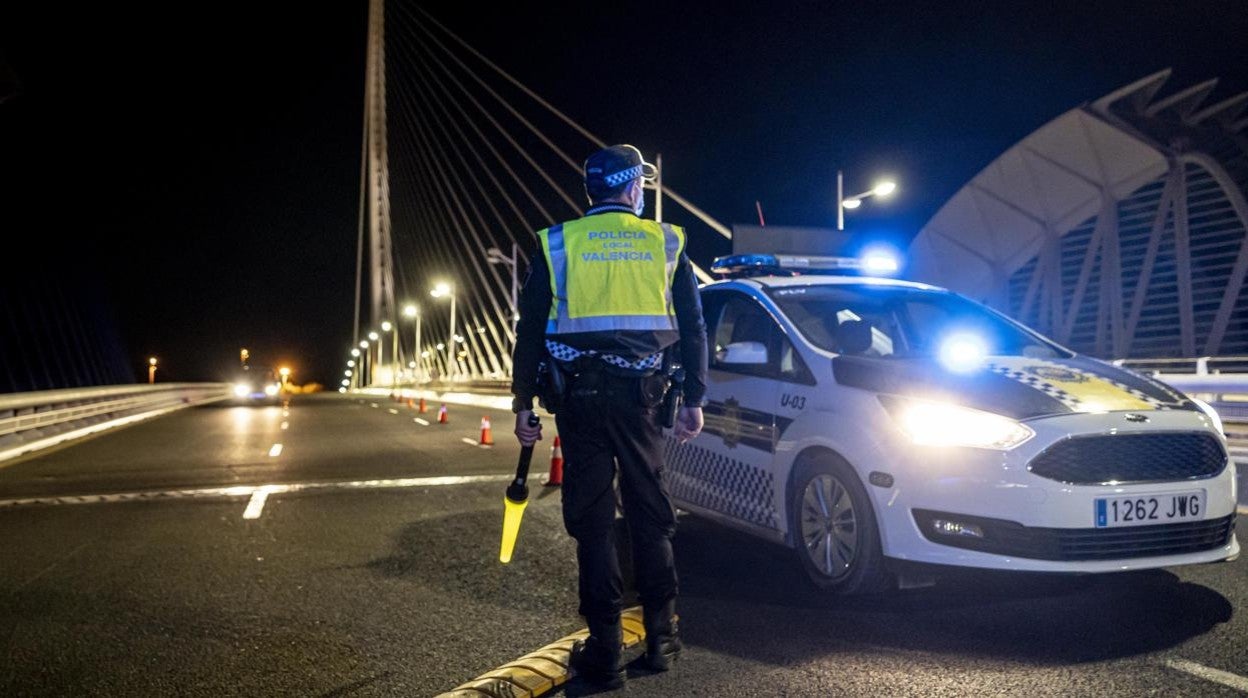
column 516, row 499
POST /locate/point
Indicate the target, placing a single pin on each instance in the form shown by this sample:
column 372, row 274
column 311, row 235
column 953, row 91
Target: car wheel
column 833, row 528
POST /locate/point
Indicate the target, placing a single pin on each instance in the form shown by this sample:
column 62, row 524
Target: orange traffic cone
column 410, row 403
column 423, row 409
column 442, row 414
column 556, row 465
column 486, row 438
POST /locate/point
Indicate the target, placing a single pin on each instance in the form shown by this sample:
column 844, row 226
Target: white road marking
column 285, row 413
column 249, row 490
column 469, row 441
column 285, row 426
column 275, row 451
column 372, row 405
column 421, row 422
column 1225, row 678
column 256, row 505
column 393, row 411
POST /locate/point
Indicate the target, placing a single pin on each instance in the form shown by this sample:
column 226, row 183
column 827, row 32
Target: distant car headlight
column 1212, row 414
column 929, row 423
column 241, row 389
column 270, row 390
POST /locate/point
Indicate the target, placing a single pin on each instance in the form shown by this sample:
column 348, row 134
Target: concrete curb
column 543, row 670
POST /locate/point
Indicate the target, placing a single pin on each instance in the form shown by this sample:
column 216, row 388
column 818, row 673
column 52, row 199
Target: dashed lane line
column 285, row 426
column 421, row 422
column 275, row 451
column 249, row 490
column 392, row 411
column 1225, row 678
column 256, row 504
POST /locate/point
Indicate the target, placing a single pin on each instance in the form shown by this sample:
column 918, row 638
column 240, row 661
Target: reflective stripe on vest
column 611, row 271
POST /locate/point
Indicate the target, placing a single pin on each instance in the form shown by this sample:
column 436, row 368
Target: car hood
column 1014, row 386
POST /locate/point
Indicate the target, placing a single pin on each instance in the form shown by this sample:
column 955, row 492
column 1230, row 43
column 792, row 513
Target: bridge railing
column 36, row 420
column 1221, row 381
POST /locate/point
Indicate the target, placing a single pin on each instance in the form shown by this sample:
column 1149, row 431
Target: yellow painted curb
column 541, row 670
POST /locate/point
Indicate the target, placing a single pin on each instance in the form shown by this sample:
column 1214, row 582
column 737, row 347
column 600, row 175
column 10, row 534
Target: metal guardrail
column 35, row 420
column 1221, row 381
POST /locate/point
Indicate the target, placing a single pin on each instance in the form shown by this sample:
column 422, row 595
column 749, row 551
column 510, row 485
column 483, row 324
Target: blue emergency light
column 745, row 265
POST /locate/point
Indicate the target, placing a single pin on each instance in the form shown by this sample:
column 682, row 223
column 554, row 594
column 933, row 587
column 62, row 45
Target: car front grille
column 1131, row 458
column 1072, row 544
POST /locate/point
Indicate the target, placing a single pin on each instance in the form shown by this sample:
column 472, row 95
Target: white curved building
column 1120, row 228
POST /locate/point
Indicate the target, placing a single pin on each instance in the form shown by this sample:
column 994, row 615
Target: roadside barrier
column 37, row 420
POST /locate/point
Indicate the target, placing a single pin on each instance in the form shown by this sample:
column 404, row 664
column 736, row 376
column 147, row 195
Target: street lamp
column 496, row 256
column 367, row 374
column 881, row 189
column 439, row 291
column 412, row 311
column 387, row 326
column 151, row 370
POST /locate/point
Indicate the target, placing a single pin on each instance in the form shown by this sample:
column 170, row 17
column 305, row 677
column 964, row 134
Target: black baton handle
column 518, row 491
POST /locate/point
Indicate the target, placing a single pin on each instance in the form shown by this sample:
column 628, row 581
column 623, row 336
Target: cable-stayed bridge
column 460, row 157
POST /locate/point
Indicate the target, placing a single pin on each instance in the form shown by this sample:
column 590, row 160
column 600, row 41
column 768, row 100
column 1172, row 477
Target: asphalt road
column 126, row 569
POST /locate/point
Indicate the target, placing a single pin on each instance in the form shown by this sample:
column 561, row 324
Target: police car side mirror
column 742, row 354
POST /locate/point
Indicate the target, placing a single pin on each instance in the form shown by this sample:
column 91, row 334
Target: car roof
column 768, row 281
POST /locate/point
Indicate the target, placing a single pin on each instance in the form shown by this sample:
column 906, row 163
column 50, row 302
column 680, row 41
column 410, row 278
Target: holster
column 673, row 399
column 552, row 385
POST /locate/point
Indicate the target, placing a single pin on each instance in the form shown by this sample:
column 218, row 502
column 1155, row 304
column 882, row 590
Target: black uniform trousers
column 609, row 420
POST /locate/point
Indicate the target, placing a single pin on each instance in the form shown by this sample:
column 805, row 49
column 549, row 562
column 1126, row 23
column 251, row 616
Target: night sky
column 194, row 170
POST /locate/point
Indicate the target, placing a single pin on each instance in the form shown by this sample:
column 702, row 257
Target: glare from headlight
column 241, row 389
column 943, row 424
column 270, row 390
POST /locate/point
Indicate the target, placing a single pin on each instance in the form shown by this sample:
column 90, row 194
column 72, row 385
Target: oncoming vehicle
column 862, row 421
column 254, row 385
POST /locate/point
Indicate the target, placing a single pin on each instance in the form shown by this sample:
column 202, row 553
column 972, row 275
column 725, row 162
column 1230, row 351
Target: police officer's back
column 609, row 299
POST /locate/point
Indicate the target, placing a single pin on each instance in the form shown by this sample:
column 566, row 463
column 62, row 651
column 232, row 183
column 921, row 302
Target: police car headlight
column 929, row 423
column 241, row 389
column 1212, row 414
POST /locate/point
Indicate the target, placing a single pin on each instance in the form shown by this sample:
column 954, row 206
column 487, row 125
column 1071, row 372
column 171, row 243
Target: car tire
column 833, row 529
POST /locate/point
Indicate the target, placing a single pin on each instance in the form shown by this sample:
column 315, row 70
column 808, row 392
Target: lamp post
column 151, row 370
column 412, row 311
column 366, row 376
column 881, row 189
column 444, row 289
column 496, row 256
column 387, row 326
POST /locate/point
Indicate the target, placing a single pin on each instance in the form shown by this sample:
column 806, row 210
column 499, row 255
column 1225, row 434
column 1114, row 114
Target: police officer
column 609, row 293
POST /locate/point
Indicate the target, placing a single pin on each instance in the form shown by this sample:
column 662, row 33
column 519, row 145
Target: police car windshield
column 899, row 322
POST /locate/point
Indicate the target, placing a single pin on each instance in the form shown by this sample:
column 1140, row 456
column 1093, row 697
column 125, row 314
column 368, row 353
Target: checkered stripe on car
column 1065, row 397
column 718, row 483
column 1039, row 384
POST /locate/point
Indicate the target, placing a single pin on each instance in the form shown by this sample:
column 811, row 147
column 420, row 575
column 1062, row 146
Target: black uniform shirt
column 535, row 302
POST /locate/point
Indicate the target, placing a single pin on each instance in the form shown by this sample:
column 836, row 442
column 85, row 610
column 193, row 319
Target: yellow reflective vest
column 611, row 271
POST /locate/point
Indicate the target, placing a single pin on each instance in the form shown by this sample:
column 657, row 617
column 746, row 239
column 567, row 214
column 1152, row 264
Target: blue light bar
column 792, row 265
column 744, row 264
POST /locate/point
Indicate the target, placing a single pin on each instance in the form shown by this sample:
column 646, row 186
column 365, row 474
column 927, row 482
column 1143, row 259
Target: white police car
column 862, row 419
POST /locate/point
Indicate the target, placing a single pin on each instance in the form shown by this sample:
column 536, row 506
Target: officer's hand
column 527, row 435
column 688, row 423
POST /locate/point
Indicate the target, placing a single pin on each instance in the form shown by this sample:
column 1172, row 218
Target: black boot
column 663, row 644
column 596, row 660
